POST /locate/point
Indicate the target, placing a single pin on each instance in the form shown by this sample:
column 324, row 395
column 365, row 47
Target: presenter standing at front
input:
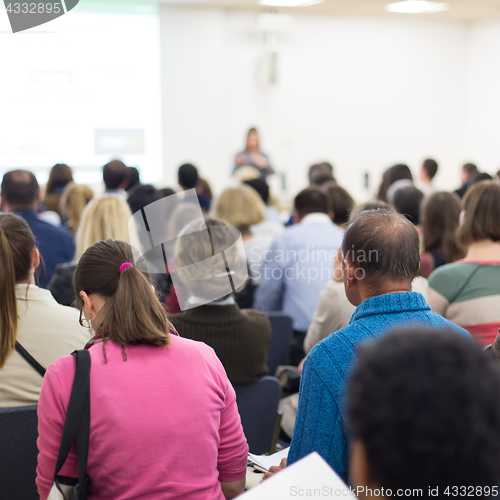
column 252, row 155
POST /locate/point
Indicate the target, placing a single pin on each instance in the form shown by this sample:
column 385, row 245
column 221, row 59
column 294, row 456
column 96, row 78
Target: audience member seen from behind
column 188, row 178
column 20, row 193
column 483, row 176
column 252, row 155
column 299, row 264
column 142, row 196
column 240, row 338
column 30, row 316
column 242, row 208
column 468, row 291
column 204, row 192
column 427, row 173
column 468, row 172
column 319, row 173
column 334, row 309
column 380, row 253
column 407, row 201
column 333, row 313
column 340, row 202
column 106, row 217
column 440, row 216
column 449, row 444
column 183, row 214
column 134, row 180
column 73, row 202
column 115, row 176
column 396, row 173
column 272, row 224
column 191, row 427
column 60, row 176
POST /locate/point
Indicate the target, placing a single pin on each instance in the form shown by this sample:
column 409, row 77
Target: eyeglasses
column 81, row 320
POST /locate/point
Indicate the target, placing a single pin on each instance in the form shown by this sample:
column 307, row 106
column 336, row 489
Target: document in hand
column 308, row 477
column 264, row 462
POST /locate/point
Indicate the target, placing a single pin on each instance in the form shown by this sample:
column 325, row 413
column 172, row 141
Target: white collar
column 316, row 218
column 32, row 292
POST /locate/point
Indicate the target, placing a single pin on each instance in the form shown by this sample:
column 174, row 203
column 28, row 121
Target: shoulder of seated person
column 344, row 339
column 455, row 270
column 65, row 267
column 257, row 316
column 322, row 351
column 178, row 315
column 334, row 288
column 55, row 231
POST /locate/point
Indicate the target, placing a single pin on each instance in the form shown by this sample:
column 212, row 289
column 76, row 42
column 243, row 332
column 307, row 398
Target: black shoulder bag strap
column 30, row 359
column 77, row 425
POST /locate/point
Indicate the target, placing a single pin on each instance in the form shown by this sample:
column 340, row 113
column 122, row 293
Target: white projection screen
column 82, row 90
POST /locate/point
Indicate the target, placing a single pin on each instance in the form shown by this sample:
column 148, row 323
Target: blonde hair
column 106, row 217
column 74, row 200
column 241, row 207
column 246, row 173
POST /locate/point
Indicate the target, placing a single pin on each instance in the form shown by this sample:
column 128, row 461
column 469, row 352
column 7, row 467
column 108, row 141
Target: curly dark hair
column 426, row 406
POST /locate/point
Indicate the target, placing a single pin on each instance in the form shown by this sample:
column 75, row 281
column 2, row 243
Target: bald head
column 383, row 246
column 20, row 191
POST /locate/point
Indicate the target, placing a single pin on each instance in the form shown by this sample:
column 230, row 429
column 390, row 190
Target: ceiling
column 464, row 10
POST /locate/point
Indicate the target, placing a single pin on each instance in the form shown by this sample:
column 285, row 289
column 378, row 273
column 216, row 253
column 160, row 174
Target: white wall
column 483, row 117
column 362, row 92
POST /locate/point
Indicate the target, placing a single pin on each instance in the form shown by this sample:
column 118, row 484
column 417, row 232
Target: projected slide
column 83, row 89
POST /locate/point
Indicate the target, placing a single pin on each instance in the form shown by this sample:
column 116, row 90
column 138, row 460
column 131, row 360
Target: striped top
column 468, row 293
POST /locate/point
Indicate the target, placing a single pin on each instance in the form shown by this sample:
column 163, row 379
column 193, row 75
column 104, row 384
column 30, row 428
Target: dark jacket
column 61, row 284
column 56, row 245
column 240, row 338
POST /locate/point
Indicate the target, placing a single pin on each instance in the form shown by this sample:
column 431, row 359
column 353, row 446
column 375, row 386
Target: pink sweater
column 163, row 424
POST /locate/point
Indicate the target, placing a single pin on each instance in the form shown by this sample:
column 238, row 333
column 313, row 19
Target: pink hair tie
column 124, row 265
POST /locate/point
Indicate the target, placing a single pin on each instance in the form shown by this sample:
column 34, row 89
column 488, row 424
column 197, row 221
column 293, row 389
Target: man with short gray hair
column 380, row 254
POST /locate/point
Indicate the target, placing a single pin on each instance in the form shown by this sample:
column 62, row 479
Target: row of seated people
column 270, row 254
column 382, row 225
column 302, row 252
column 436, row 219
column 131, row 328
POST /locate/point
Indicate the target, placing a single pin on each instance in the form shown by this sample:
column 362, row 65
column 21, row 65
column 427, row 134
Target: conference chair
column 18, row 453
column 282, row 330
column 260, row 417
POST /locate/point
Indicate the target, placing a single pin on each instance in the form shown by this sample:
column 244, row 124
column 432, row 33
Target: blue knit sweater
column 320, row 424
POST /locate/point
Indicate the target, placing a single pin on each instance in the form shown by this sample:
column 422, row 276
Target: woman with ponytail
column 28, row 315
column 164, row 421
column 106, row 217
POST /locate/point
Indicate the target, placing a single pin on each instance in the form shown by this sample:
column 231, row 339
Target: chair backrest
column 18, row 453
column 281, row 325
column 258, row 407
